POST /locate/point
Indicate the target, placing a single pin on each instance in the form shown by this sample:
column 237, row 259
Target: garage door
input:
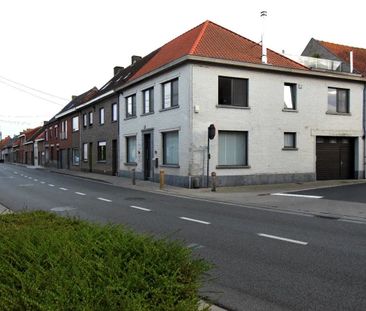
column 334, row 158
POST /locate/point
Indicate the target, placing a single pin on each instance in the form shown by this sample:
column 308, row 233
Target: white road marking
column 80, row 193
column 195, row 246
column 105, row 200
column 196, row 220
column 282, row 239
column 51, row 185
column 141, row 208
column 42, row 182
column 352, row 221
column 15, row 172
column 64, row 189
column 30, row 178
column 298, row 195
column 35, row 179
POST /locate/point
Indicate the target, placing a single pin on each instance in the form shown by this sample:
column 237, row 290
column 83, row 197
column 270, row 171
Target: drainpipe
column 364, row 129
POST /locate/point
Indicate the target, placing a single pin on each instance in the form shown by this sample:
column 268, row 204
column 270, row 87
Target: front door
column 90, row 157
column 147, row 156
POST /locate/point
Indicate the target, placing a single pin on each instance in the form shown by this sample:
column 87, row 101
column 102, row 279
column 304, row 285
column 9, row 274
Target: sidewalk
column 255, row 196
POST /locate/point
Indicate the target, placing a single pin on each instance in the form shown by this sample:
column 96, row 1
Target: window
column 75, row 124
column 131, row 106
column 289, row 140
column 46, row 133
column 85, row 119
column 338, row 100
column 91, row 118
column 114, row 112
column 51, row 132
column 233, row 147
column 85, row 152
column 102, row 151
column 171, row 148
column 56, row 131
column 170, row 94
column 75, row 156
column 233, row 92
column 64, row 129
column 131, row 149
column 289, row 96
column 148, row 101
column 101, row 116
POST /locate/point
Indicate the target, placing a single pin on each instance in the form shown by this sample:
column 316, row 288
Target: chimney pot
column 117, row 69
column 135, row 59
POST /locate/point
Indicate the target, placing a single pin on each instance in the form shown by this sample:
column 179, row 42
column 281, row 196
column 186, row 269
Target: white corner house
column 276, row 120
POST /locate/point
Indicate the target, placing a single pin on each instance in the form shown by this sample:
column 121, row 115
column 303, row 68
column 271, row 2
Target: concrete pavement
column 254, row 196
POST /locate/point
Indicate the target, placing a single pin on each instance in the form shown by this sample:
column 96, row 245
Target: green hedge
column 48, row 262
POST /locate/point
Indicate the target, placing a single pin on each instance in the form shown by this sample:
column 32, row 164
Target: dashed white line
column 141, row 208
column 35, row 179
column 352, row 221
column 63, row 189
column 196, row 220
column 80, row 193
column 282, row 239
column 30, row 178
column 51, row 185
column 298, row 195
column 105, row 200
column 42, row 182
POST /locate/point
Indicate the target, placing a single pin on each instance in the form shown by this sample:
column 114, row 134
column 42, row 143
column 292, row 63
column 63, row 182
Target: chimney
column 351, row 61
column 73, row 97
column 135, row 59
column 264, row 49
column 117, row 69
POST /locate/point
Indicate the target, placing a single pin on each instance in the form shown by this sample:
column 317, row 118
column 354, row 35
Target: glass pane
column 167, row 95
column 131, row 149
column 332, row 100
column 288, row 97
column 147, row 101
column 114, row 112
column 175, row 93
column 224, row 91
column 290, row 140
column 90, row 118
column 129, row 106
column 232, row 148
column 171, row 148
column 101, row 115
column 342, row 101
column 240, row 92
column 85, row 152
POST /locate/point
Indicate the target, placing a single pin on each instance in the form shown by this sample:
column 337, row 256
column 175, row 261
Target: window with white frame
column 85, row 120
column 63, row 129
column 75, row 124
column 90, row 118
column 233, row 92
column 75, row 156
column 171, row 148
column 131, row 106
column 85, row 152
column 289, row 140
column 233, row 148
column 148, row 101
column 289, row 96
column 101, row 116
column 56, row 131
column 131, row 149
column 114, row 112
column 102, row 151
column 338, row 100
column 170, row 94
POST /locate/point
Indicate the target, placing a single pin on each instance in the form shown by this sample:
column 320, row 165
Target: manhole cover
column 135, row 199
column 62, row 209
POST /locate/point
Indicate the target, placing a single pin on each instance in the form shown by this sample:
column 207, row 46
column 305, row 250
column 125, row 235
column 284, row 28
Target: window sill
column 170, row 165
column 289, row 110
column 75, row 131
column 219, row 167
column 289, row 149
column 101, row 124
column 130, row 117
column 146, row 114
column 233, row 107
column 130, row 163
column 102, row 161
column 169, row 108
column 85, row 161
column 339, row 113
column 114, row 121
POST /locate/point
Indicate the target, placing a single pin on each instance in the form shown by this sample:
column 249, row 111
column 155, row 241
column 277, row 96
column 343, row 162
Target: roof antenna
column 264, row 49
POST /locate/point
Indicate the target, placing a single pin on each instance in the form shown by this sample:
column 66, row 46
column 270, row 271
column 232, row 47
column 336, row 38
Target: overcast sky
column 66, row 47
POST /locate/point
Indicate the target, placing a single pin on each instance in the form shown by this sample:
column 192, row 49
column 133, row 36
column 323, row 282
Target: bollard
column 213, row 181
column 133, row 176
column 162, row 179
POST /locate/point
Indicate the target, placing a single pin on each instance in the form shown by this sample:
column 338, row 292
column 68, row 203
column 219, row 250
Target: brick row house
column 275, row 119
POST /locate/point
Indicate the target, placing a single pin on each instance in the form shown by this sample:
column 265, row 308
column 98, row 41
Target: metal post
column 162, row 179
column 213, row 181
column 133, row 176
column 208, row 161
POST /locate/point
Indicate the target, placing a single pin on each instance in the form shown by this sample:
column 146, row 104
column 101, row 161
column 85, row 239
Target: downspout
column 364, row 129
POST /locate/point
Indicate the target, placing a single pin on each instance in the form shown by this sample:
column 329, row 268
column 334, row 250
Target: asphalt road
column 263, row 260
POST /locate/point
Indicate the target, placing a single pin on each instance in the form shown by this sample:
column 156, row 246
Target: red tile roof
column 4, row 142
column 213, row 41
column 342, row 52
column 30, row 132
